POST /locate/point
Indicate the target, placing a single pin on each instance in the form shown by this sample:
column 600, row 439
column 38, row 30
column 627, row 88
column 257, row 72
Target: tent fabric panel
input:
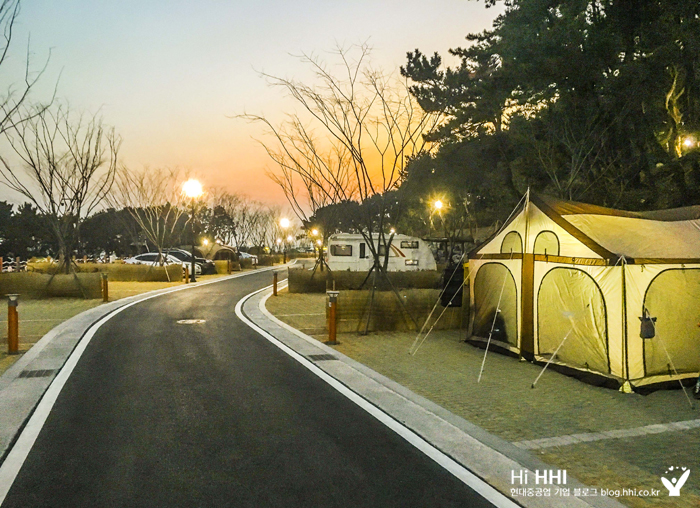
column 673, row 297
column 512, row 243
column 494, row 281
column 547, row 243
column 493, row 246
column 569, row 245
column 581, row 238
column 572, row 318
column 609, row 280
column 637, row 280
column 641, row 238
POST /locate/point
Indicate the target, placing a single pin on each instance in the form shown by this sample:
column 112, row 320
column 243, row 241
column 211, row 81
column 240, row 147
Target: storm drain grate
column 37, row 373
column 321, row 358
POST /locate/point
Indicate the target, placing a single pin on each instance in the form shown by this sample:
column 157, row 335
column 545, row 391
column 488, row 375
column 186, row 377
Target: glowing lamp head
column 192, row 188
column 290, row 238
column 284, row 223
column 438, row 205
column 205, row 241
column 314, row 232
column 279, row 241
column 688, row 142
column 319, row 242
column 392, row 231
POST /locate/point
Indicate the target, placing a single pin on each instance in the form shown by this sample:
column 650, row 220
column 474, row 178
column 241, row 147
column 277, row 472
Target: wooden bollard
column 105, row 287
column 2, row 268
column 332, row 318
column 228, row 266
column 274, row 284
column 17, row 264
column 12, row 325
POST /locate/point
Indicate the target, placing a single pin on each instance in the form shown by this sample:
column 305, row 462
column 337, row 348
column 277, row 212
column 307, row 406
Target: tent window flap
column 570, row 305
column 490, row 280
column 673, row 297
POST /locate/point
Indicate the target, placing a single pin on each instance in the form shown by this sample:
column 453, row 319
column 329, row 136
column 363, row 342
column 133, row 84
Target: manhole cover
column 37, row 373
column 321, row 358
column 191, row 321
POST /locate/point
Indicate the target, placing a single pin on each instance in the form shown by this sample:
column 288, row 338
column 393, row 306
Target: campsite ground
column 37, row 317
column 445, row 370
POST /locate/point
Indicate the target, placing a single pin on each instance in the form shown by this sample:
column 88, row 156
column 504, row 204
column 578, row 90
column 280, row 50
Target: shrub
column 42, row 285
column 119, row 271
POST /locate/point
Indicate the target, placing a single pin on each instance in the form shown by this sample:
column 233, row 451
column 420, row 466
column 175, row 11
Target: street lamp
column 193, row 190
column 438, row 204
column 284, row 223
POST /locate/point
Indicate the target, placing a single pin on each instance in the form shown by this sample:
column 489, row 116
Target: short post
column 274, row 283
column 228, row 266
column 17, row 264
column 2, row 268
column 187, row 274
column 12, row 325
column 105, row 286
column 84, row 259
column 332, row 317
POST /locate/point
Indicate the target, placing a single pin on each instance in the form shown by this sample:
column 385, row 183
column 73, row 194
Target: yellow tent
column 577, row 279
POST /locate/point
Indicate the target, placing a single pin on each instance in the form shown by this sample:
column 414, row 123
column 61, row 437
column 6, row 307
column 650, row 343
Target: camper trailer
column 348, row 251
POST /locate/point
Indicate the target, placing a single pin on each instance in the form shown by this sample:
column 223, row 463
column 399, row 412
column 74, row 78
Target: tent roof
column 563, row 207
column 661, row 234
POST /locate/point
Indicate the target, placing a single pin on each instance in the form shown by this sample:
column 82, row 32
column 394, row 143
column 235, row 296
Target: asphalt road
column 161, row 414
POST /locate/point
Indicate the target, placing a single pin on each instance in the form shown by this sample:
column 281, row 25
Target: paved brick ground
column 445, row 370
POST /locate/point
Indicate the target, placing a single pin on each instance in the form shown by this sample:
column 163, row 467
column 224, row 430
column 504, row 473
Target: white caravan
column 347, row 251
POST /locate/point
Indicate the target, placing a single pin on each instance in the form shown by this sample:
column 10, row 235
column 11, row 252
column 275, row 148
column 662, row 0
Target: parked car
column 245, row 255
column 206, row 266
column 153, row 258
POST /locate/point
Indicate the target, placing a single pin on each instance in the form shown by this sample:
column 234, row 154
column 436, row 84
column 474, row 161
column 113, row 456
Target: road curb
column 472, row 447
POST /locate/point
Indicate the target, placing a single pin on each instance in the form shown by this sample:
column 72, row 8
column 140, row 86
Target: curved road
column 161, row 414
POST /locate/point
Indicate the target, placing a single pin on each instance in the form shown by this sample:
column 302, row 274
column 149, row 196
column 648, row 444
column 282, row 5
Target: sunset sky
column 169, row 75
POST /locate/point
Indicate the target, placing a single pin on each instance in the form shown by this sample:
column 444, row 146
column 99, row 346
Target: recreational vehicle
column 348, row 251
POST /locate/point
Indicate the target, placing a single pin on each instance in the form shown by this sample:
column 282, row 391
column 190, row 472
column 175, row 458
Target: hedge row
column 119, row 271
column 306, row 281
column 42, row 285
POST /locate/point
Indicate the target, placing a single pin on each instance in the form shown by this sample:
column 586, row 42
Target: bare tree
column 234, row 217
column 67, row 165
column 12, row 110
column 371, row 127
column 154, row 199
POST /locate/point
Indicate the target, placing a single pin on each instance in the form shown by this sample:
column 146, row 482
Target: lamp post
column 193, row 190
column 284, row 224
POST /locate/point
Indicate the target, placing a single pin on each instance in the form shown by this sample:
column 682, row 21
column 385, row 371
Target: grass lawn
column 37, row 317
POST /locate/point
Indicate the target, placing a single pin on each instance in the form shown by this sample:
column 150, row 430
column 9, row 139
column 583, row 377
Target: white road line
column 470, row 479
column 572, row 439
column 15, row 459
